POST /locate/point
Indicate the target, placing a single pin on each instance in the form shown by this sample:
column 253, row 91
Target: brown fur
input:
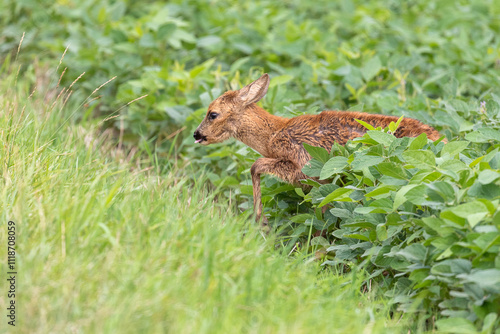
column 280, row 139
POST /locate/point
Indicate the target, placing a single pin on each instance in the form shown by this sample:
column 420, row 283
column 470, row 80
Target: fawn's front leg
column 286, row 170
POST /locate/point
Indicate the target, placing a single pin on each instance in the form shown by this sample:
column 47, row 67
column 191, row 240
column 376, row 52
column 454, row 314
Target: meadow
column 125, row 225
column 109, row 244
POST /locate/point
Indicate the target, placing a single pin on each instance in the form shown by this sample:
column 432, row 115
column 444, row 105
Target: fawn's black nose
column 198, row 137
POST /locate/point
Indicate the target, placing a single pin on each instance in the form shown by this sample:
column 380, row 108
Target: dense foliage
column 421, row 217
column 107, row 244
column 376, row 56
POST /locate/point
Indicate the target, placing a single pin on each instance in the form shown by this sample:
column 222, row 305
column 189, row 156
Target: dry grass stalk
column 60, row 60
column 137, row 99
column 57, row 98
column 62, row 74
column 104, row 84
column 81, row 75
column 20, row 43
column 172, row 135
column 110, row 117
column 32, row 93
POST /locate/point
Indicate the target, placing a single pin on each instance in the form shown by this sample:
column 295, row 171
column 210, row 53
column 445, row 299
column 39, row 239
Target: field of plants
column 125, row 224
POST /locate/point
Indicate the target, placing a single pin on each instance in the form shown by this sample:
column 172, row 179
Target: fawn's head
column 221, row 121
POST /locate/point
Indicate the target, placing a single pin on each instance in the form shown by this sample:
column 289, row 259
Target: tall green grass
column 106, row 244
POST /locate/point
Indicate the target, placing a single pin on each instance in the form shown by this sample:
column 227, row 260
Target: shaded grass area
column 106, row 245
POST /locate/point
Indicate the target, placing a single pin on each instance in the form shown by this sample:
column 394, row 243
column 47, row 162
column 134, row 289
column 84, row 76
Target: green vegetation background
column 102, row 186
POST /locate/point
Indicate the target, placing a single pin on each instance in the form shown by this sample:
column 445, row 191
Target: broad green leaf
column 456, row 326
column 434, row 78
column 202, row 67
column 328, row 188
column 280, row 189
column 418, row 142
column 483, row 135
column 459, row 105
column 452, row 219
column 416, row 195
column 453, row 266
column 420, row 159
column 381, row 259
column 491, row 133
column 341, row 194
column 489, row 322
column 381, row 232
column 454, row 147
column 443, row 189
column 487, row 176
column 361, row 224
column 370, row 209
column 382, row 205
column 438, row 225
column 341, row 213
column 333, row 166
column 357, row 107
column 400, row 198
column 474, row 211
column 413, row 253
column 320, row 241
column 301, row 218
column 376, row 150
column 351, row 90
column 280, row 80
column 238, row 64
column 300, row 192
column 398, row 146
column 486, row 279
column 310, row 182
column 491, row 205
column 453, row 165
column 210, row 41
column 371, row 68
column 357, row 236
column 313, row 168
column 385, row 203
column 366, row 125
column 317, row 153
column 492, row 108
column 381, row 137
column 466, row 209
column 476, row 137
column 383, row 190
column 424, row 176
column 362, row 161
column 393, row 170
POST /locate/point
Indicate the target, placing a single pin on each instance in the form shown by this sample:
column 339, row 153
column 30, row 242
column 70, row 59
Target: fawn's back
column 328, row 127
column 340, row 126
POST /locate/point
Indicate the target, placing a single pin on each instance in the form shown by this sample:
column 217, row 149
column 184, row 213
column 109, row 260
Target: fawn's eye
column 212, row 115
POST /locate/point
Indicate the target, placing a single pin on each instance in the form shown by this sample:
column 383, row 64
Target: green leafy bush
column 422, row 217
column 376, row 56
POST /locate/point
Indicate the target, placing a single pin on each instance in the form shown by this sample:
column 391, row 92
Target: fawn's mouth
column 199, row 138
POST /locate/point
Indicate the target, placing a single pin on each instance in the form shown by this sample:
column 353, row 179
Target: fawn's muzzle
column 199, row 137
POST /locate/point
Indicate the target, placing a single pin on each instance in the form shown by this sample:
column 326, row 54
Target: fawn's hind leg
column 286, row 170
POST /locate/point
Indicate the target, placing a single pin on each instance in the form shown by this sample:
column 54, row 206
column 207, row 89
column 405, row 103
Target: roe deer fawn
column 279, row 140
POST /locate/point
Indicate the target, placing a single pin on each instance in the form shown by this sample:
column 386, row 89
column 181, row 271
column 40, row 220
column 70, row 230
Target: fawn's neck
column 256, row 127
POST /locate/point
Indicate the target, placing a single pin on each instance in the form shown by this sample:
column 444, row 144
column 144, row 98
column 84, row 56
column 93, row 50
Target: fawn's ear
column 255, row 91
